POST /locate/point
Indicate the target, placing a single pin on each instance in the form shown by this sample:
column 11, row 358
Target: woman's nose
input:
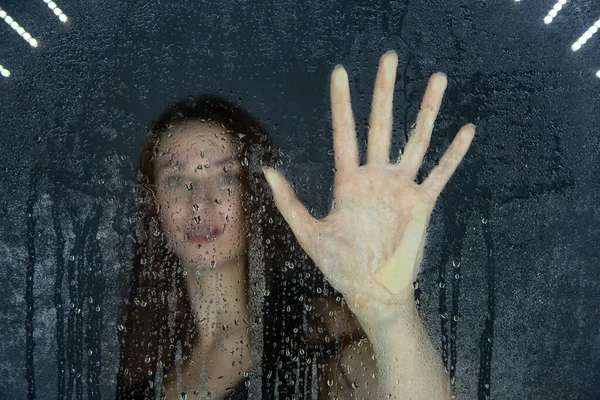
column 201, row 198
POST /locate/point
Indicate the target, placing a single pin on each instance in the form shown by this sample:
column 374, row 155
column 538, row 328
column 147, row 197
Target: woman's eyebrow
column 183, row 164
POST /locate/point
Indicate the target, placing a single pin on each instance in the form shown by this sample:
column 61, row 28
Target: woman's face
column 199, row 191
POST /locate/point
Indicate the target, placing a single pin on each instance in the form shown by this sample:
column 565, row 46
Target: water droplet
column 456, row 276
column 190, row 186
column 444, row 316
column 72, row 258
column 455, row 263
column 308, row 307
column 143, row 261
column 244, row 162
column 267, row 292
column 329, row 382
column 120, row 327
column 355, row 385
column 319, row 290
column 213, row 263
column 456, row 318
column 484, row 221
column 415, row 285
column 442, row 285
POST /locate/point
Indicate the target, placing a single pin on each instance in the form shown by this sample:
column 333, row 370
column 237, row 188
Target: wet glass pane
column 145, row 254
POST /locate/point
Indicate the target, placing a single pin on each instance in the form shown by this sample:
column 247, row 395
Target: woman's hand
column 370, row 245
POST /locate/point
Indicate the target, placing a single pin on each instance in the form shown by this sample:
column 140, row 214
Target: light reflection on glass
column 554, row 12
column 20, row 30
column 4, row 72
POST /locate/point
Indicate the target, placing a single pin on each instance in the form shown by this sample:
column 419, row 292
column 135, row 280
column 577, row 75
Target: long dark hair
column 159, row 324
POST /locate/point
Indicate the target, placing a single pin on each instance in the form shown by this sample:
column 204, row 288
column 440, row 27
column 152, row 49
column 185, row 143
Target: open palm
column 370, row 245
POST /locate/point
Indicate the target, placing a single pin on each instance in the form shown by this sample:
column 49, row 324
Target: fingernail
column 339, row 66
column 440, row 83
column 390, row 51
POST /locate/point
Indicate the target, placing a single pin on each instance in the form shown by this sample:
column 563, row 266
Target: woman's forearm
column 409, row 366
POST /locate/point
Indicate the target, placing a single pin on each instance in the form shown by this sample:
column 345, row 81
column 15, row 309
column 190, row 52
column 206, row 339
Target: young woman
column 219, row 296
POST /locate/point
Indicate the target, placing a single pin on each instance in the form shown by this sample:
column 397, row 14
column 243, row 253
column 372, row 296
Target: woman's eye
column 175, row 181
column 228, row 179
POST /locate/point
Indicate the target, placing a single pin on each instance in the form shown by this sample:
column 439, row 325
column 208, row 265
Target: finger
column 420, row 136
column 298, row 218
column 441, row 174
column 380, row 120
column 345, row 146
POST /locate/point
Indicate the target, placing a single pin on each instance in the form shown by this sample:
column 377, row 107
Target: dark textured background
column 519, row 219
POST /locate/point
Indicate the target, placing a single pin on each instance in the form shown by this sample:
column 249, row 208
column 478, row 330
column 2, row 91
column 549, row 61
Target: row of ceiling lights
column 23, row 33
column 583, row 38
column 63, row 18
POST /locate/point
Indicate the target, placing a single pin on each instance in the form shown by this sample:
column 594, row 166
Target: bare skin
column 352, row 371
column 370, row 246
column 197, row 182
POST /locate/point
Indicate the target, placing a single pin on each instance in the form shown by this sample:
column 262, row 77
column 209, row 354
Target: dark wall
column 509, row 286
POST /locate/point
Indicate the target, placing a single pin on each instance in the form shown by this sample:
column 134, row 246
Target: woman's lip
column 199, row 239
column 213, row 232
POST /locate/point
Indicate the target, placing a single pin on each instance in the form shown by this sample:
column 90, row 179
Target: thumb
column 298, row 218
